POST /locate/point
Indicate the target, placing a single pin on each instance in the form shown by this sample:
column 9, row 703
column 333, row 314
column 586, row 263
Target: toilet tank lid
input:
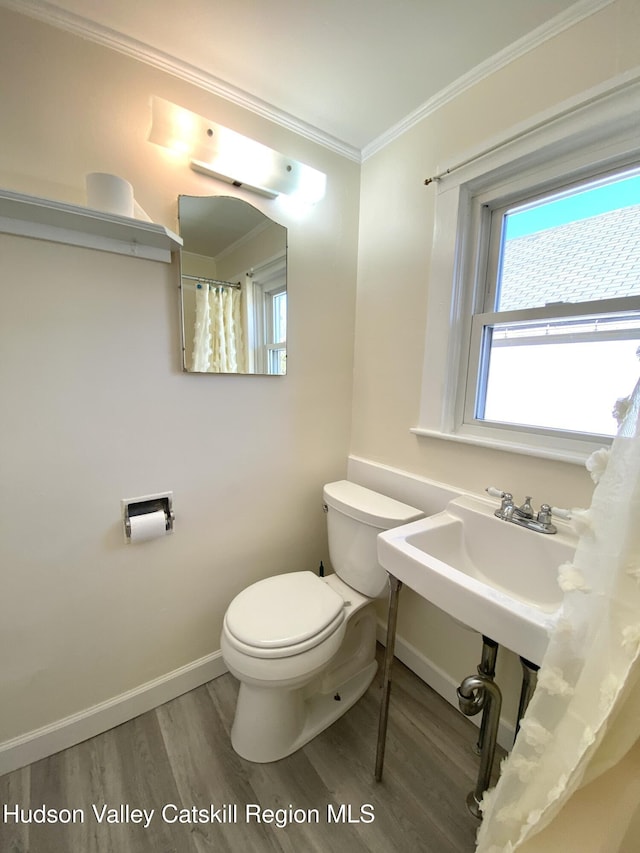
column 368, row 506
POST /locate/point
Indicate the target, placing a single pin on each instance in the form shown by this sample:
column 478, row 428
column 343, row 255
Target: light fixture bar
column 204, row 169
column 214, row 150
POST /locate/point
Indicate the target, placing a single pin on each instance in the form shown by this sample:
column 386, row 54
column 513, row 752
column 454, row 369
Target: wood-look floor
column 180, row 754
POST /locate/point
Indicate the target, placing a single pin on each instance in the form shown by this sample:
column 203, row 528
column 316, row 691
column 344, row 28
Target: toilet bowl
column 303, row 646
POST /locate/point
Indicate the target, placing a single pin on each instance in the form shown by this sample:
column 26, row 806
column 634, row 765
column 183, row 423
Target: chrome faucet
column 523, row 515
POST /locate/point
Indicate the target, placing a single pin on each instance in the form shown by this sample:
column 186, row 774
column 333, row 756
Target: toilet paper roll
column 148, row 526
column 139, row 213
column 109, row 193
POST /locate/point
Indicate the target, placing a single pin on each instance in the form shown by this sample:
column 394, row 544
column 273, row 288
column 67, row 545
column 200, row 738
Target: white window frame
column 272, row 346
column 267, row 280
column 584, row 137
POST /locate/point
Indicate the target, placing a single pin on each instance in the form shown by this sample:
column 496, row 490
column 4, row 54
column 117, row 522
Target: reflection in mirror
column 234, row 287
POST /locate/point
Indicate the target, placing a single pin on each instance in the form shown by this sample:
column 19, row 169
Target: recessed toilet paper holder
column 132, row 507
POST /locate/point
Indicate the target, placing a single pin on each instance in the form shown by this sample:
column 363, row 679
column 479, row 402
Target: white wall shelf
column 58, row 222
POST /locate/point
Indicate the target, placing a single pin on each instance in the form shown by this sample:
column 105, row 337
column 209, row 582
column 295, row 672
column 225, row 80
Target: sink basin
column 494, row 576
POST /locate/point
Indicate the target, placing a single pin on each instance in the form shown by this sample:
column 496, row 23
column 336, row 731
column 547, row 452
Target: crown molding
column 84, row 28
column 571, row 16
column 90, row 30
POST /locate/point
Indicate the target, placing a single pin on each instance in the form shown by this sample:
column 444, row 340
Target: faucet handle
column 544, row 516
column 561, row 513
column 506, row 506
column 495, row 493
column 544, row 520
column 506, row 497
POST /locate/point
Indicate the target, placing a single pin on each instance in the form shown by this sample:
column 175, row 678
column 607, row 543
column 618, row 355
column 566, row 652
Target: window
column 275, row 306
column 268, row 317
column 553, row 345
column 534, row 290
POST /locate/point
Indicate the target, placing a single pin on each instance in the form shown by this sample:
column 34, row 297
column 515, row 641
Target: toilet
column 303, row 646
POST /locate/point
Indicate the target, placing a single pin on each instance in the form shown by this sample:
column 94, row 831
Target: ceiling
column 346, row 71
column 234, row 220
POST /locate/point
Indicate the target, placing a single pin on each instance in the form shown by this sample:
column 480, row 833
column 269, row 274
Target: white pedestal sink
column 494, row 576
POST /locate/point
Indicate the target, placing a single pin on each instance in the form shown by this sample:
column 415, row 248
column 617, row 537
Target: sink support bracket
column 529, row 682
column 475, row 694
column 392, row 620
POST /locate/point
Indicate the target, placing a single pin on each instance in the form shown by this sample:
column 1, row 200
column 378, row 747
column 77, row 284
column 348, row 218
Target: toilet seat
column 283, row 615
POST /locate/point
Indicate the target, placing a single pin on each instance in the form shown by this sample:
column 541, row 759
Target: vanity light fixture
column 221, row 153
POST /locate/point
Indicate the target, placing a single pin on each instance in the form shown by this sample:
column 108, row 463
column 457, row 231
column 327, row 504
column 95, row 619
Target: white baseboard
column 99, row 718
column 71, row 730
column 439, row 680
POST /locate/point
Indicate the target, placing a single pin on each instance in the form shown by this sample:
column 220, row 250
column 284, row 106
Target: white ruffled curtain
column 219, row 339
column 202, row 333
column 584, row 717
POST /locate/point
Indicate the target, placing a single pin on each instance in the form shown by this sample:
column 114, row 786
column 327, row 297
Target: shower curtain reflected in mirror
column 219, row 341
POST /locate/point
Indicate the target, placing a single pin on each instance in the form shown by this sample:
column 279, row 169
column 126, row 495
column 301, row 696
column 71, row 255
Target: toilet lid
column 284, row 610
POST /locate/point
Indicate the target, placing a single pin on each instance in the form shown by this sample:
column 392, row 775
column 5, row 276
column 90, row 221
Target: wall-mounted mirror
column 234, row 287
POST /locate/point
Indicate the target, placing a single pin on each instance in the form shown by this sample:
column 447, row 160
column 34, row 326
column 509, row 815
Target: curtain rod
column 544, row 122
column 215, row 281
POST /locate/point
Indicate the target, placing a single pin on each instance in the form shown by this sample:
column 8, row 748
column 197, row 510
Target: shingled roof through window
column 594, row 258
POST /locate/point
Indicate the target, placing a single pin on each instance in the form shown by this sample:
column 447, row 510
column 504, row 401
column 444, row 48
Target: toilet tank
column 355, row 516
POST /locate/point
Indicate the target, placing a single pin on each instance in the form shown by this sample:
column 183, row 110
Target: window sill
column 575, row 453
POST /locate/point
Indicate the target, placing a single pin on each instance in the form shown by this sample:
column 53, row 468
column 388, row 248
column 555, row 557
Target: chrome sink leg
column 529, row 681
column 392, row 619
column 487, row 668
column 474, row 694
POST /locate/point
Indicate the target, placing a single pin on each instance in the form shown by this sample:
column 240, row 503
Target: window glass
column 280, row 317
column 572, row 247
column 277, row 331
column 562, row 363
column 561, row 375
